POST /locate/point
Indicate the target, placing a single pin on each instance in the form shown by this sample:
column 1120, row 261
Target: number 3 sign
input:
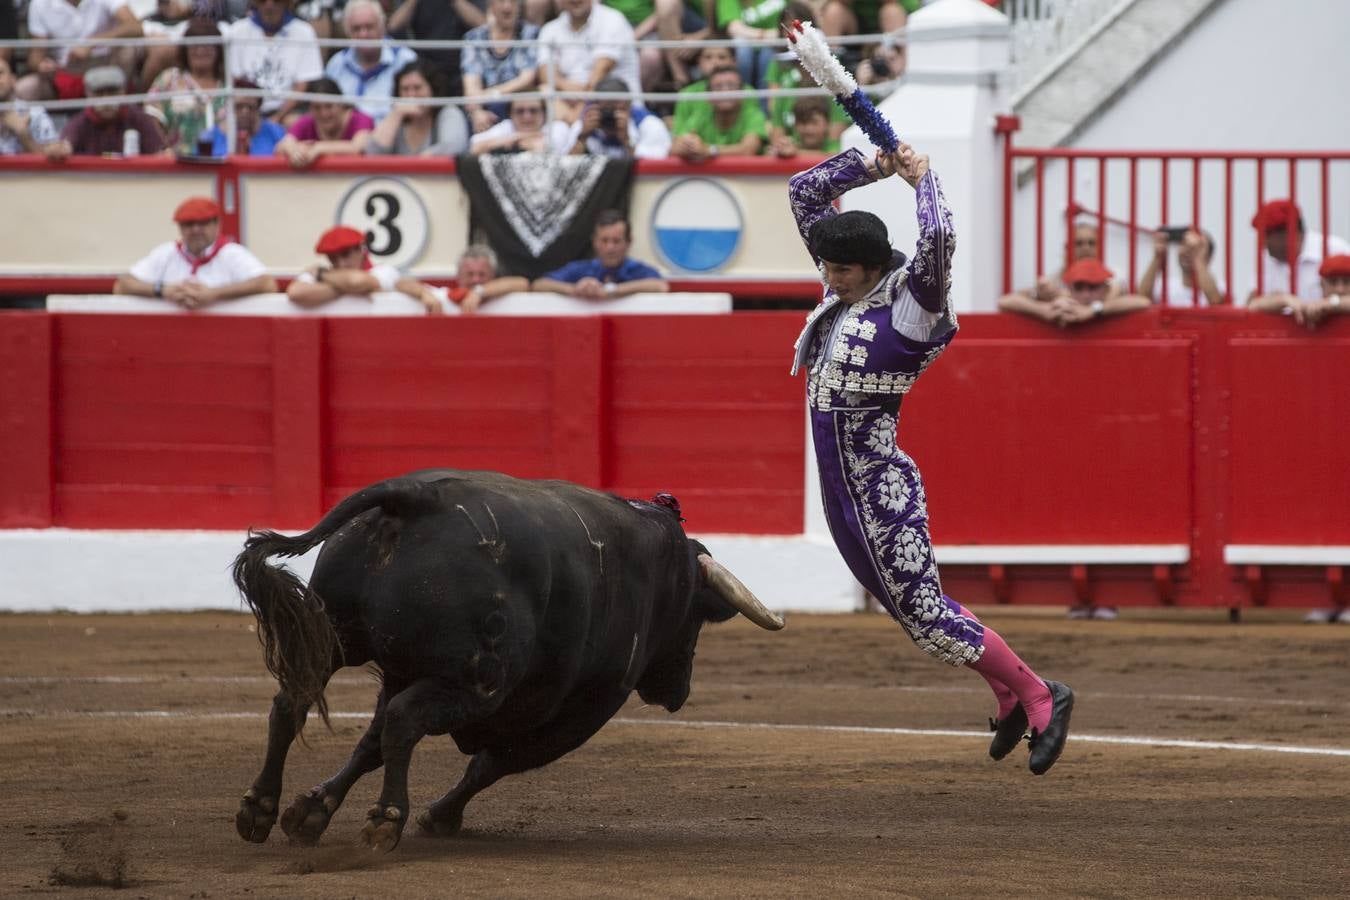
column 393, row 217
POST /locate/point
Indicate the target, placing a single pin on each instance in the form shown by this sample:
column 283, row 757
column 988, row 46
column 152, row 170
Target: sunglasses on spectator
column 1086, row 286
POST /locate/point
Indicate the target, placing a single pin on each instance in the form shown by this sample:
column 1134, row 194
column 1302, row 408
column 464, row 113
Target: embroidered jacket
column 882, row 343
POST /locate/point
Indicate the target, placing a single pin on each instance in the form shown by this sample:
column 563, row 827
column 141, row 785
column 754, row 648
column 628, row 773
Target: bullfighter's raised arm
column 812, row 193
column 930, row 271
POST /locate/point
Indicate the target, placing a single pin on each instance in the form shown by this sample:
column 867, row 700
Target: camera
column 1175, row 233
column 607, row 119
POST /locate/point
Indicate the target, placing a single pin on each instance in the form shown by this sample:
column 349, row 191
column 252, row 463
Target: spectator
column 58, row 75
column 1193, row 259
column 669, row 20
column 884, row 62
column 617, row 129
column 350, row 271
column 439, row 20
column 584, row 45
column 417, row 129
column 1273, row 219
column 746, row 20
column 1089, row 297
column 727, row 127
column 523, row 130
column 202, row 268
column 201, row 67
column 101, row 127
column 254, row 135
column 490, row 72
column 690, row 105
column 1086, row 245
column 1334, row 300
column 479, row 281
column 809, row 128
column 329, row 129
column 26, row 129
column 611, row 272
column 275, row 50
column 368, row 72
column 842, row 17
column 789, row 73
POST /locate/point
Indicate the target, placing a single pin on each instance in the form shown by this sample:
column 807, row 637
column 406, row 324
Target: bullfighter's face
column 851, row 281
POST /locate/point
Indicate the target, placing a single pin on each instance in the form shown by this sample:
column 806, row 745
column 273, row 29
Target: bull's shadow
column 515, row 616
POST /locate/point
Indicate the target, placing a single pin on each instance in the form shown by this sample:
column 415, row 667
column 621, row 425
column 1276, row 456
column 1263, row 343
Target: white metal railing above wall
column 1046, row 33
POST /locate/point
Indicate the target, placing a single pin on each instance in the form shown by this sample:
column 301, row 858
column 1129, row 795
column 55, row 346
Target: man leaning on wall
column 201, row 268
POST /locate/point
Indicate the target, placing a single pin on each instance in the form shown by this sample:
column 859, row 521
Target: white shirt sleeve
column 155, row 265
column 240, row 264
column 911, row 319
column 611, row 33
column 308, row 58
column 504, row 128
column 387, row 276
column 653, row 139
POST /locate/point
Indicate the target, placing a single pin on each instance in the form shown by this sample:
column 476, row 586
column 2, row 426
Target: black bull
column 515, row 616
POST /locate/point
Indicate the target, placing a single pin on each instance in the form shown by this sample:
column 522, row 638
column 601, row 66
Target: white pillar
column 945, row 107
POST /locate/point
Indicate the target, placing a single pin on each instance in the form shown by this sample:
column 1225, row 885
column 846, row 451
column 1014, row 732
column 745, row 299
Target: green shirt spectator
column 716, row 127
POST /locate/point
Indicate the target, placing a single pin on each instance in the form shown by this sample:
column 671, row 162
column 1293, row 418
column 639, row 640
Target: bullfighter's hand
column 907, row 164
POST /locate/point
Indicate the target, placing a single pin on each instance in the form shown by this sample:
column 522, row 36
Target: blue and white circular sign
column 697, row 225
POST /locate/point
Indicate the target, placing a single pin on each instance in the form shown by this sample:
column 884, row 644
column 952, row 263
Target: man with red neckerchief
column 350, row 271
column 201, row 268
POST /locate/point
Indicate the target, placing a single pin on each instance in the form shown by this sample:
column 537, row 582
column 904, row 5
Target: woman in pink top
column 328, row 128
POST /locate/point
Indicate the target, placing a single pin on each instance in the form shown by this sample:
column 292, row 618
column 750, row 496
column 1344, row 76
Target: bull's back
column 519, row 590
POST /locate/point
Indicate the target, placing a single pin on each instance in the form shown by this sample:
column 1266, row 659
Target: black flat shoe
column 1046, row 746
column 1008, row 732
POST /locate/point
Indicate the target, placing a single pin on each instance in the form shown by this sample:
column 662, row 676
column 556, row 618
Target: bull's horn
column 737, row 594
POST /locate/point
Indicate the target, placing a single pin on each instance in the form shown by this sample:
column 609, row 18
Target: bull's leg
column 427, row 706
column 578, row 719
column 258, row 810
column 309, row 813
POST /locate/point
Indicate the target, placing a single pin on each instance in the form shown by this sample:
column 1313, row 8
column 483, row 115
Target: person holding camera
column 1195, row 249
column 617, row 129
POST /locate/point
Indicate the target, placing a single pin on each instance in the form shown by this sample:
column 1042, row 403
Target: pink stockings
column 1011, row 679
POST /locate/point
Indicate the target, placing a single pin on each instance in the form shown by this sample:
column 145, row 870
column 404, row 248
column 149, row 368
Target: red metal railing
column 1075, row 210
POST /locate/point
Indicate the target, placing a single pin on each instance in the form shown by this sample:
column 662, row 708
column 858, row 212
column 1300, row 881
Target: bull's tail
column 300, row 643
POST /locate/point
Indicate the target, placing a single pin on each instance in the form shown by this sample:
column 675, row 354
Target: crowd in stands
column 271, row 47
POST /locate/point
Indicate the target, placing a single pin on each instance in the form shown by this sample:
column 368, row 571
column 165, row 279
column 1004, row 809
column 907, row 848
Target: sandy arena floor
column 128, row 740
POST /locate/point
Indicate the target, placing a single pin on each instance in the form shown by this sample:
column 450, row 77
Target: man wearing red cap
column 350, row 272
column 1335, row 299
column 201, row 268
column 1089, row 297
column 1281, row 224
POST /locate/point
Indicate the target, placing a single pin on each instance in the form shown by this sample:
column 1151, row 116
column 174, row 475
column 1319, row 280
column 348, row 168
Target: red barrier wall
column 1196, row 427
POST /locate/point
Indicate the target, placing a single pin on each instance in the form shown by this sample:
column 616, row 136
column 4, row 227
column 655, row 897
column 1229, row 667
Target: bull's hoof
column 383, row 828
column 445, row 827
column 306, row 819
column 256, row 816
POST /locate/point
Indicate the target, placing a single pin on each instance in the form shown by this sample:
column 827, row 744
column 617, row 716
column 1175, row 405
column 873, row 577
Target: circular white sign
column 696, row 225
column 393, row 217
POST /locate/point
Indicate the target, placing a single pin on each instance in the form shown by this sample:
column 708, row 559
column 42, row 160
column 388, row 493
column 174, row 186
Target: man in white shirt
column 56, row 73
column 276, row 51
column 1194, row 252
column 1274, row 219
column 586, row 43
column 350, row 271
column 617, row 129
column 368, row 72
column 202, row 268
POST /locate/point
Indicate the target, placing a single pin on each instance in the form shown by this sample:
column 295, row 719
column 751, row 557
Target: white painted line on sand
column 1123, row 740
column 728, row 686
